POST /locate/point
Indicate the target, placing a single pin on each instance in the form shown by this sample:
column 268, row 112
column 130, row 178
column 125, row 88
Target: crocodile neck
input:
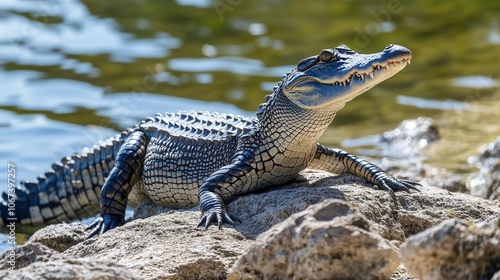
column 281, row 118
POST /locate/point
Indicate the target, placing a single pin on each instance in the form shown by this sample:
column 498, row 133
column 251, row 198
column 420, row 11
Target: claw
column 384, row 185
column 392, row 184
column 217, row 217
column 103, row 224
column 411, row 185
column 96, row 225
column 203, row 222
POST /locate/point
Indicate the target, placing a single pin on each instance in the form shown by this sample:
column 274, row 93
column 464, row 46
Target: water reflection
column 31, row 35
column 59, row 96
column 432, row 104
column 475, row 82
column 74, row 72
column 235, row 65
column 195, row 3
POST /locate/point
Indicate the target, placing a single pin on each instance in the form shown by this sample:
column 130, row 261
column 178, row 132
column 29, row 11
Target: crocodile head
column 336, row 76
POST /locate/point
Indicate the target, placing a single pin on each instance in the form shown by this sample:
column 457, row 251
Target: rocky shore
column 320, row 226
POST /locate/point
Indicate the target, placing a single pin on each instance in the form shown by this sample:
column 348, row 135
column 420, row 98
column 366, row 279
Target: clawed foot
column 217, row 216
column 392, row 184
column 104, row 223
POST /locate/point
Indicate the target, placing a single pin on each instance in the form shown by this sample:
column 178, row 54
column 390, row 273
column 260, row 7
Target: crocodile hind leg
column 118, row 185
column 338, row 161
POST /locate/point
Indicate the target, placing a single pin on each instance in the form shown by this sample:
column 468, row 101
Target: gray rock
column 486, row 182
column 167, row 246
column 60, row 237
column 328, row 240
column 36, row 261
column 415, row 212
column 405, row 141
column 25, row 255
column 170, row 246
column 411, row 136
column 454, row 250
column 402, row 274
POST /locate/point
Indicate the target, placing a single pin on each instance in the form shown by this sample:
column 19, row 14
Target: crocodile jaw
column 316, row 84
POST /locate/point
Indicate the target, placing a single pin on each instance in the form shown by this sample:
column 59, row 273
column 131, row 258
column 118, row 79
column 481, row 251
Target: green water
column 74, row 72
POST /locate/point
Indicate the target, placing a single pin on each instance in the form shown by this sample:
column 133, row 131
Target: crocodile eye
column 326, row 56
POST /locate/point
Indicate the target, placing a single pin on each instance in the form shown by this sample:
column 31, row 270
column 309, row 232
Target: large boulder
column 415, row 211
column 454, row 250
column 331, row 238
column 170, row 246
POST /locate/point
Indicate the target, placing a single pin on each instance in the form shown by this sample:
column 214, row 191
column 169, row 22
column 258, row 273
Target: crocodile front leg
column 226, row 182
column 118, row 185
column 338, row 162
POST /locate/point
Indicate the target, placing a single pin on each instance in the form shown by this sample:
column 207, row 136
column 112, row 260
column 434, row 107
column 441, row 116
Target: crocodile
column 183, row 159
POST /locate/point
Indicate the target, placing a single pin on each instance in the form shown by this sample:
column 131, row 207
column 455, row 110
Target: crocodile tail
column 69, row 191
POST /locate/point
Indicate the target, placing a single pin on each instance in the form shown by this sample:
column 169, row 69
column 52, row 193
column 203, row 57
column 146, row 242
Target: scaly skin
column 188, row 158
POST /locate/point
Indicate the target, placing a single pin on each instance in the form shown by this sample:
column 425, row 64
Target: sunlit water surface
column 75, row 72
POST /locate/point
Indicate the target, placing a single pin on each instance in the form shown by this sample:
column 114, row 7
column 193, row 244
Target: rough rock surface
column 25, row 255
column 486, row 182
column 36, row 261
column 167, row 246
column 454, row 250
column 170, row 246
column 414, row 213
column 60, row 237
column 328, row 239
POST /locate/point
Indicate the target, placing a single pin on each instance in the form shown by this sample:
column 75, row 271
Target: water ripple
column 236, row 65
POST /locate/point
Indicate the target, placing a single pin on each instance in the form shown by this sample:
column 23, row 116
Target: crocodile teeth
column 408, row 62
column 371, row 75
column 387, row 67
column 348, row 80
